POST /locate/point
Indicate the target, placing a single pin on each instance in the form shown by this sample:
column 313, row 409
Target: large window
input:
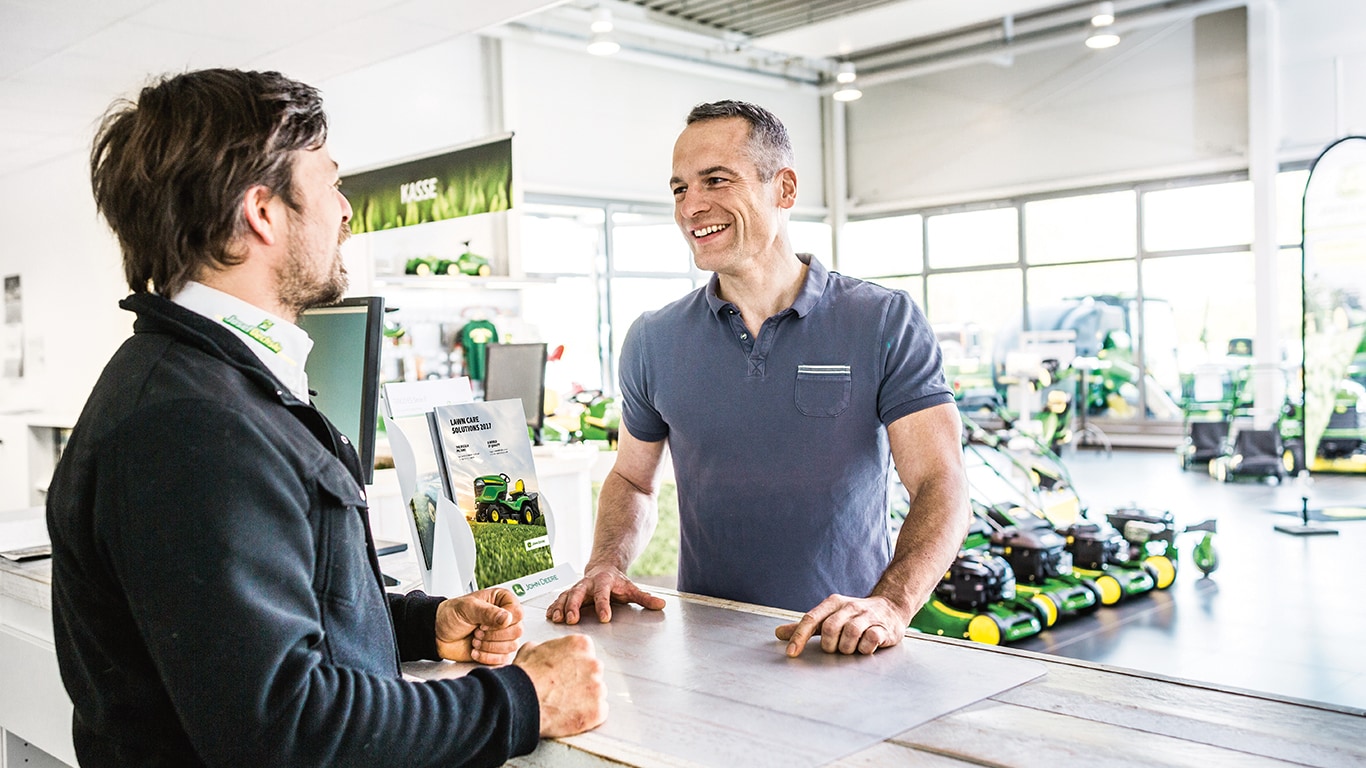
column 1182, row 248
column 889, row 246
column 1084, row 228
column 974, row 238
column 1203, row 216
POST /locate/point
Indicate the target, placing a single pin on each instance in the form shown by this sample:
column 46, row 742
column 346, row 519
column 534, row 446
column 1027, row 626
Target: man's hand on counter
column 846, row 625
column 482, row 626
column 603, row 586
column 568, row 679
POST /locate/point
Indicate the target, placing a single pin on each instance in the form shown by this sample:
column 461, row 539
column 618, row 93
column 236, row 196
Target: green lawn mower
column 1151, row 542
column 1099, row 556
column 976, row 600
column 493, row 503
column 1038, row 555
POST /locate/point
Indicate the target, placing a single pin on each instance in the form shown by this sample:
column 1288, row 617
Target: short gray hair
column 769, row 145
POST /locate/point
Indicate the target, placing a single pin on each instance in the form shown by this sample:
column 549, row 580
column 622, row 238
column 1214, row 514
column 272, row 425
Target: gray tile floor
column 1282, row 614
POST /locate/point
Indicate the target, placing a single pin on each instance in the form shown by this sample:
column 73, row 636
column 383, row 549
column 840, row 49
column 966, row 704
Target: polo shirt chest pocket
column 823, row 390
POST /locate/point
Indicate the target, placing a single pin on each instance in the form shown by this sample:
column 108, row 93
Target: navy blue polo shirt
column 779, row 442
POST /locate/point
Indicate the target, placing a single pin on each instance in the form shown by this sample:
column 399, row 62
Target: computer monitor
column 343, row 369
column 518, row 371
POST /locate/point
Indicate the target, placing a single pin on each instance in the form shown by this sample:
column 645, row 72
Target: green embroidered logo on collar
column 257, row 332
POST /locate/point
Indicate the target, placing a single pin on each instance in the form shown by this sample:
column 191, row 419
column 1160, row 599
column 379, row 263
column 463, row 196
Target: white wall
column 72, row 279
column 1323, row 74
column 607, row 126
column 1173, row 97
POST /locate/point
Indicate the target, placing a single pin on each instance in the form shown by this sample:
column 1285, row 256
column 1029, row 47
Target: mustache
column 343, row 234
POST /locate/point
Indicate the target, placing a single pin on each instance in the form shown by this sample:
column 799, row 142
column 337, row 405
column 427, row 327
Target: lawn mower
column 1151, row 541
column 1038, row 555
column 1099, row 556
column 976, row 600
column 493, row 503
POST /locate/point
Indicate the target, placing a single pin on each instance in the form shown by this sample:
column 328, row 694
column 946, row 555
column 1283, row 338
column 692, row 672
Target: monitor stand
column 384, row 547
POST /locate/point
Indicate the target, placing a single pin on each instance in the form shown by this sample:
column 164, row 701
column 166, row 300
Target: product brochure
column 489, row 472
column 417, row 462
column 469, row 482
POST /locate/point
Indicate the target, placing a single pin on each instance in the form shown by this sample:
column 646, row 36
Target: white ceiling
column 63, row 61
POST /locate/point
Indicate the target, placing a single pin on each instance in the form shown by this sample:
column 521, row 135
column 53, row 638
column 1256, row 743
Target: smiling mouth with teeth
column 704, row 231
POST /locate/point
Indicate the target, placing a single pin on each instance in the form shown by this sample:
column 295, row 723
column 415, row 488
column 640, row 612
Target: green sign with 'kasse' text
column 462, row 182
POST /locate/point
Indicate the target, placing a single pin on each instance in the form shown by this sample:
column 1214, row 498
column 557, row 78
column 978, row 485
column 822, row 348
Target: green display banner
column 1334, row 293
column 463, row 182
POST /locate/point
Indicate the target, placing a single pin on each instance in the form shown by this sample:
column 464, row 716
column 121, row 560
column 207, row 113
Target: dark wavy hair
column 769, row 145
column 170, row 171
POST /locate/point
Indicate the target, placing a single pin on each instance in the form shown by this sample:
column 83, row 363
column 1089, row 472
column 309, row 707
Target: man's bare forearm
column 626, row 520
column 930, row 538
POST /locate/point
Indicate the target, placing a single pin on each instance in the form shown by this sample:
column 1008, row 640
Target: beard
column 303, row 283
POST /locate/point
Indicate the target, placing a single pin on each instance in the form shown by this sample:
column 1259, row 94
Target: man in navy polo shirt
column 783, row 392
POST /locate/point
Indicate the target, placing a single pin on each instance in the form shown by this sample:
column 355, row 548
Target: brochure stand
column 468, row 480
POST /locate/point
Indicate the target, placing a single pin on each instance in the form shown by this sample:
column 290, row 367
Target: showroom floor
column 1282, row 614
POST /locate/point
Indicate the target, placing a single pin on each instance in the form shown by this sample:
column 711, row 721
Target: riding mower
column 494, row 504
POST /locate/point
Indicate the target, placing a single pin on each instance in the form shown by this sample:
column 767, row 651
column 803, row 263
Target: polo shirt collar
column 281, row 345
column 817, row 275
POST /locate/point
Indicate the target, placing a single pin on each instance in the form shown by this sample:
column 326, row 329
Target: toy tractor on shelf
column 468, row 263
column 493, row 503
column 976, row 600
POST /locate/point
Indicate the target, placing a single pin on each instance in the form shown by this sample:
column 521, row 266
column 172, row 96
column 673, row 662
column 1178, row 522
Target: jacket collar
column 156, row 314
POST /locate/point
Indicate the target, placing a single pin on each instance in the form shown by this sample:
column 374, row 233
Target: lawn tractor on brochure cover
column 493, row 503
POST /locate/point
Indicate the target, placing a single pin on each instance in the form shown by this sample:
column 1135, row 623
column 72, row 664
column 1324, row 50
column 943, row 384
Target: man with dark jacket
column 216, row 594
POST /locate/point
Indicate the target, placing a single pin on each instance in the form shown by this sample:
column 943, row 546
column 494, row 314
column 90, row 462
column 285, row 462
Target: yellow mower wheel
column 983, row 629
column 1110, row 589
column 1164, row 570
column 1049, row 608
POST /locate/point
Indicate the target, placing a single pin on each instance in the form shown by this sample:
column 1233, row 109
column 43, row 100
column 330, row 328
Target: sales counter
column 704, row 682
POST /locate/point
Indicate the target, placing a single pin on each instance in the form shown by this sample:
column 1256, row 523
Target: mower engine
column 975, row 579
column 1094, row 545
column 1035, row 553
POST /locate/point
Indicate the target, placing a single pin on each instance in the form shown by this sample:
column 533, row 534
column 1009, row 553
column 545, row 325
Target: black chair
column 1205, row 440
column 1257, row 453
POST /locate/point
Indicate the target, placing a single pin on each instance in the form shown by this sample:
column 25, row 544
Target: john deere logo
column 518, row 591
column 257, row 332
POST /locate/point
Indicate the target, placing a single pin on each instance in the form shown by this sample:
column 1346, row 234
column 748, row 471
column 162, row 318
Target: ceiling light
column 602, row 20
column 1103, row 15
column 846, row 74
column 1102, row 40
column 847, row 92
column 602, row 44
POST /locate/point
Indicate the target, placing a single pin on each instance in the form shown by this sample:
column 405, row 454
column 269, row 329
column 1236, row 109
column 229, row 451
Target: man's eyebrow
column 707, row 172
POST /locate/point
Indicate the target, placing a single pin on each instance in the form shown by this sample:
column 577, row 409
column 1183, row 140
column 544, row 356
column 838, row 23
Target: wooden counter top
column 1037, row 710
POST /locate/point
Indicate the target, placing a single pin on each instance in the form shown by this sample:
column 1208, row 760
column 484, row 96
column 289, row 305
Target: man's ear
column 264, row 214
column 787, row 187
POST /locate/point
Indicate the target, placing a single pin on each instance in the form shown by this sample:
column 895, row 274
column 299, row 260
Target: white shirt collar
column 281, row 345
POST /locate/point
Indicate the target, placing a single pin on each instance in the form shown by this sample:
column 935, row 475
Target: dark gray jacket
column 216, row 596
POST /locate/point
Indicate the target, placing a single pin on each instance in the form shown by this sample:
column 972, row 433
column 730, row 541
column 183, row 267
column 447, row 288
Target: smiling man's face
column 726, row 212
